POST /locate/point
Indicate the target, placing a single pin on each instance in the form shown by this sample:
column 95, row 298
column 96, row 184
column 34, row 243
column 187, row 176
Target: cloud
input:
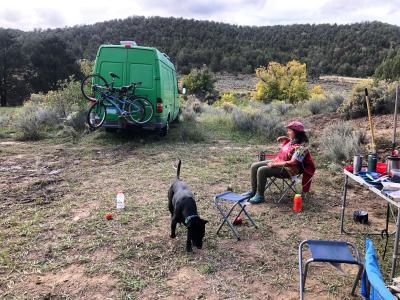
column 10, row 15
column 51, row 17
column 27, row 15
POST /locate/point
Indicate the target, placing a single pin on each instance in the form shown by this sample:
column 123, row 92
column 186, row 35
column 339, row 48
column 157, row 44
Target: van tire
column 164, row 131
column 178, row 116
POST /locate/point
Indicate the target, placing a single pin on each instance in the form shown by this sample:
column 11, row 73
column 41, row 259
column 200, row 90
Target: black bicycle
column 134, row 109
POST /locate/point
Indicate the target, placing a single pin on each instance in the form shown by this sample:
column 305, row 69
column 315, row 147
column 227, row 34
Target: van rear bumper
column 156, row 123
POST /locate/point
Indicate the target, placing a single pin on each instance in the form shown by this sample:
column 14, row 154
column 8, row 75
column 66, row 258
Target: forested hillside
column 35, row 61
column 353, row 50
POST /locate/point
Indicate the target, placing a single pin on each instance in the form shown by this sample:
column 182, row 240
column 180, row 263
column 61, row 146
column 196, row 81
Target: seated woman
column 288, row 163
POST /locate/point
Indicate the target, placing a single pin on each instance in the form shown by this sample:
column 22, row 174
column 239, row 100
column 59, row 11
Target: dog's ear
column 204, row 221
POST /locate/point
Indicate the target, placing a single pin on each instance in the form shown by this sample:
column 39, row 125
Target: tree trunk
column 3, row 100
column 3, row 93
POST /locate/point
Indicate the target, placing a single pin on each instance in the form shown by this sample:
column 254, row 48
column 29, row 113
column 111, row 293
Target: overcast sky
column 30, row 14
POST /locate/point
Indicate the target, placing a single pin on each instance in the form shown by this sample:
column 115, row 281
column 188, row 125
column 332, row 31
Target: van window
column 116, row 67
column 167, row 80
column 143, row 73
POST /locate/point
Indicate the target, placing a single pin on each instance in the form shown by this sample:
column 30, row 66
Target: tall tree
column 50, row 63
column 11, row 65
column 389, row 69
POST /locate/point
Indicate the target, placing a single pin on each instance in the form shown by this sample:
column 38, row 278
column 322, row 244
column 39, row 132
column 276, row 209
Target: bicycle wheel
column 140, row 110
column 90, row 86
column 96, row 115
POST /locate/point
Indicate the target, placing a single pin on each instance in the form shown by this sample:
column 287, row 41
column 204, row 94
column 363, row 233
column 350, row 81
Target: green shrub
column 187, row 114
column 67, row 99
column 63, row 110
column 282, row 82
column 86, row 66
column 266, row 126
column 229, row 100
column 4, row 120
column 340, row 142
column 281, row 107
column 199, row 80
column 33, row 121
column 324, row 104
column 381, row 97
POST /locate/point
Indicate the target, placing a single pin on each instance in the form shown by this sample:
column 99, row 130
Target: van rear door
column 112, row 59
column 140, row 68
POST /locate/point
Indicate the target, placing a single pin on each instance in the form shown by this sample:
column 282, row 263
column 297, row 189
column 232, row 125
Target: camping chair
column 334, row 252
column 288, row 184
column 372, row 284
column 239, row 201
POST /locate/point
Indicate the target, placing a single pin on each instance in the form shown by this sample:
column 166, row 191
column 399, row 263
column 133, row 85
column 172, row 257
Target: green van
column 158, row 80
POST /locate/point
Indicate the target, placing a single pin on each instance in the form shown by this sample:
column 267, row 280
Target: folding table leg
column 342, row 214
column 346, row 180
column 396, row 246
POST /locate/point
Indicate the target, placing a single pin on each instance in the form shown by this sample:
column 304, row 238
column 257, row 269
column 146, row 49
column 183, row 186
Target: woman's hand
column 282, row 139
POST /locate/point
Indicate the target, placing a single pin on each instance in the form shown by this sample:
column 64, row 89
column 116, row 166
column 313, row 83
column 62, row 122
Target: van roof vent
column 166, row 55
column 128, row 44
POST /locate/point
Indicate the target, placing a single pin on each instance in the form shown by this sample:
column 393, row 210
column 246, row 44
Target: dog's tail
column 178, row 169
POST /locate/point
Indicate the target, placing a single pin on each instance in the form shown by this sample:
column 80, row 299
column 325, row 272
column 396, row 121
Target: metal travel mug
column 357, row 163
column 261, row 156
column 372, row 160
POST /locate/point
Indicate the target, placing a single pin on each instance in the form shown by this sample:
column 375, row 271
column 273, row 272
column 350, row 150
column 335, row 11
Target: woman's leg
column 265, row 172
column 253, row 170
column 262, row 174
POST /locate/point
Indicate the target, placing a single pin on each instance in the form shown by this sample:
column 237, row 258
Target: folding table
column 380, row 194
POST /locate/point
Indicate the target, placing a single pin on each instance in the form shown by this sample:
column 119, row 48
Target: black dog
column 184, row 210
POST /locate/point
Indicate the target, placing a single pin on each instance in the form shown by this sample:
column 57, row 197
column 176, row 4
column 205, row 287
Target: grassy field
column 55, row 242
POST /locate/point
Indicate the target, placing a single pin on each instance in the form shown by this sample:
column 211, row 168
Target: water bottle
column 120, row 200
column 297, row 203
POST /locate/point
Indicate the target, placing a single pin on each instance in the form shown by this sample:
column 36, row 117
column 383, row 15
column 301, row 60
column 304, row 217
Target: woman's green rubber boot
column 257, row 199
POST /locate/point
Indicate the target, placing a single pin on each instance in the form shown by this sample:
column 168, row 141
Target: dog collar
column 187, row 220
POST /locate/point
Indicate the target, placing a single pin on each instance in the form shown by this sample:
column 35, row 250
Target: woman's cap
column 296, row 125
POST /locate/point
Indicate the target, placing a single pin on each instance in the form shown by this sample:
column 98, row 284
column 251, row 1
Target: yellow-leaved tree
column 282, row 82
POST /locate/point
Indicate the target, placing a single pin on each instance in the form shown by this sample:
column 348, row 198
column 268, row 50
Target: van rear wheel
column 164, row 131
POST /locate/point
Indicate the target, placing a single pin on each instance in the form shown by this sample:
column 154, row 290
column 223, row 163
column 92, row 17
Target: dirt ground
column 55, row 242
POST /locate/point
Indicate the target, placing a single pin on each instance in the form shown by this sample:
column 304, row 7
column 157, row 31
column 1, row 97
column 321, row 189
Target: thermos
column 357, row 163
column 372, row 160
column 393, row 163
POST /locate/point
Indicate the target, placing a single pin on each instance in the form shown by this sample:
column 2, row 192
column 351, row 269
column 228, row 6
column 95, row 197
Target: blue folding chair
column 334, row 252
column 239, row 201
column 372, row 284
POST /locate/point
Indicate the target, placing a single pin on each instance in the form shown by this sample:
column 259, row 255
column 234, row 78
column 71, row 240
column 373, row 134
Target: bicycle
column 134, row 109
